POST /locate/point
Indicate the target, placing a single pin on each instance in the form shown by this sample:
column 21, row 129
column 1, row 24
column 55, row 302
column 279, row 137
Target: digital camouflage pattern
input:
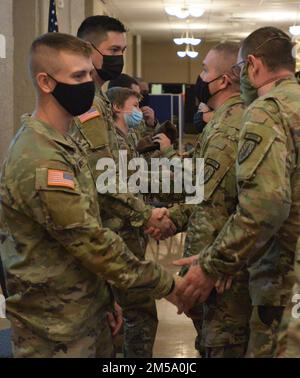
column 57, row 256
column 97, row 343
column 125, row 214
column 102, row 144
column 225, row 323
column 263, row 230
column 289, row 335
column 139, row 312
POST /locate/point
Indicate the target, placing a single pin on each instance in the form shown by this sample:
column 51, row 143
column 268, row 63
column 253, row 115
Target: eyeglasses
column 237, row 68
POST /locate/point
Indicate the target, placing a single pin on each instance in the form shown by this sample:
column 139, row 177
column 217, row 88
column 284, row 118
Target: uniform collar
column 45, row 129
column 288, row 79
column 228, row 103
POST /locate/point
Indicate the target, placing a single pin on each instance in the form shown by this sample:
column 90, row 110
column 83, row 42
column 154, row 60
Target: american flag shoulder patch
column 92, row 113
column 60, row 178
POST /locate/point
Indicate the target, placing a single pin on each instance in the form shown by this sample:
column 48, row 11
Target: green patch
column 251, row 142
column 210, row 168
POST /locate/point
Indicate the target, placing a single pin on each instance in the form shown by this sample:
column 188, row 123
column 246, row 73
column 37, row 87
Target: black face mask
column 199, row 122
column 112, row 66
column 76, row 99
column 203, row 92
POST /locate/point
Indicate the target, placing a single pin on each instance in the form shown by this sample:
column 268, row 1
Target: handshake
column 159, row 225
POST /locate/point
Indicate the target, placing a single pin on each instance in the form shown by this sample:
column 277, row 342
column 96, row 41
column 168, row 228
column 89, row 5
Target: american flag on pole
column 52, row 23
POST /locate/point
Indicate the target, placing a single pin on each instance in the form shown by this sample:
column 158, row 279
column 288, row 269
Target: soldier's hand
column 163, row 141
column 174, row 298
column 115, row 319
column 223, row 284
column 159, row 226
column 149, row 116
column 196, row 286
column 203, row 107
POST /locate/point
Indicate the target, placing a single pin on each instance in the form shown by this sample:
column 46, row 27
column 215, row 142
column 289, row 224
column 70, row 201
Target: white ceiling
column 222, row 20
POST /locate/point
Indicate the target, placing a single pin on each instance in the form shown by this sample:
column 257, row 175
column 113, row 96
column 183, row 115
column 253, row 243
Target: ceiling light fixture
column 189, row 51
column 185, row 11
column 187, row 39
column 295, row 30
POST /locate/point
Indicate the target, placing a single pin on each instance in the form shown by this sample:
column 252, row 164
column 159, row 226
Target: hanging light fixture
column 187, row 39
column 185, row 11
column 295, row 30
column 189, row 51
column 181, row 54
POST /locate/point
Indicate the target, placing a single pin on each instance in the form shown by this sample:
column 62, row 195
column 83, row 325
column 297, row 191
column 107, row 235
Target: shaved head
column 227, row 56
column 47, row 53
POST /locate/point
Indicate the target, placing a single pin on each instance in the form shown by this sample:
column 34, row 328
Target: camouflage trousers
column 139, row 309
column 288, row 341
column 97, row 343
column 223, row 329
column 264, row 328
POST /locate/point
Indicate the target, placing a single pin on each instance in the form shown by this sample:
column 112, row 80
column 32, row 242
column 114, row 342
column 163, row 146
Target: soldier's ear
column 225, row 82
column 254, row 64
column 45, row 83
column 116, row 109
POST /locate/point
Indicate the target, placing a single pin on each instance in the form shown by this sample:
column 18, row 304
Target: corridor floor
column 176, row 333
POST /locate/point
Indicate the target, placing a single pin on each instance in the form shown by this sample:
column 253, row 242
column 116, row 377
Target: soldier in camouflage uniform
column 223, row 328
column 140, row 315
column 126, row 214
column 289, row 336
column 149, row 122
column 263, row 231
column 56, row 253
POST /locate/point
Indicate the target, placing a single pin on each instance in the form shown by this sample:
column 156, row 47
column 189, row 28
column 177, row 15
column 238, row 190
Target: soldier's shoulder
column 93, row 113
column 263, row 111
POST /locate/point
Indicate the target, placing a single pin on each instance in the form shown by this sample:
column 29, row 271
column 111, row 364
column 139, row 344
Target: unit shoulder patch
column 252, row 140
column 210, row 168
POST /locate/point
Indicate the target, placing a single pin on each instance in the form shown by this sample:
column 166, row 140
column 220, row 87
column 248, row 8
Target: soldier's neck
column 54, row 115
column 270, row 80
column 122, row 126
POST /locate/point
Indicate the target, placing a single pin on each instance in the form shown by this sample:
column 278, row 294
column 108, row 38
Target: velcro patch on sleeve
column 92, row 113
column 60, row 178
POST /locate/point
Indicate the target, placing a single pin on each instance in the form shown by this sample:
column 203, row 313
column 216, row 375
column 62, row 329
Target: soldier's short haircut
column 118, row 96
column 273, row 46
column 95, row 28
column 228, row 52
column 55, row 43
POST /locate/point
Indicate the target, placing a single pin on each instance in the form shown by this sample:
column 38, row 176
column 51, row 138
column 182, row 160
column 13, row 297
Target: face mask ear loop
column 51, row 77
column 96, row 48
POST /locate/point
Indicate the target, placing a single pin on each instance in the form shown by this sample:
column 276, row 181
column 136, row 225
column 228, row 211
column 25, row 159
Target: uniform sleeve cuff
column 205, row 262
column 165, row 285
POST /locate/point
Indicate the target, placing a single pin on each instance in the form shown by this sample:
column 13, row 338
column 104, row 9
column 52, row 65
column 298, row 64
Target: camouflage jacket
column 218, row 148
column 217, row 145
column 96, row 133
column 56, row 254
column 263, row 231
